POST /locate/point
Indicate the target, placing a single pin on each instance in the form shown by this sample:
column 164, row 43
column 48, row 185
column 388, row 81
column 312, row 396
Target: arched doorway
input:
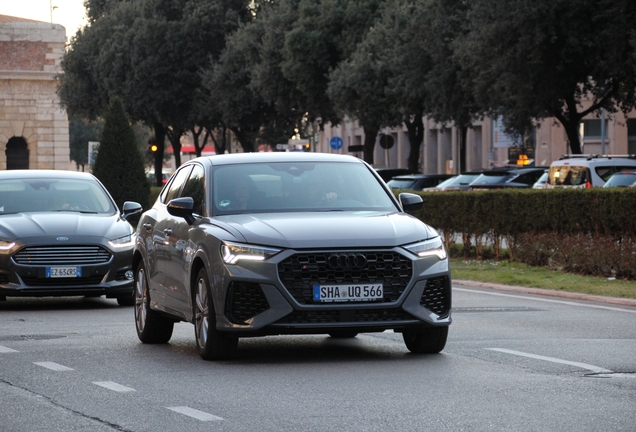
column 17, row 154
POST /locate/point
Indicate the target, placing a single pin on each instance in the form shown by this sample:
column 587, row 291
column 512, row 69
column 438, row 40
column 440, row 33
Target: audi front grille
column 301, row 271
column 61, row 255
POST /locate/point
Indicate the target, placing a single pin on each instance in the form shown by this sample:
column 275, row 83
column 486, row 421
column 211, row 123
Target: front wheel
column 212, row 344
column 426, row 341
column 152, row 328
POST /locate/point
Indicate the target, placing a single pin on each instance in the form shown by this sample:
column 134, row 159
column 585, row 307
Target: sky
column 69, row 13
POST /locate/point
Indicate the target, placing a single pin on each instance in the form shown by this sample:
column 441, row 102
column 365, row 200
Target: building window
column 591, row 129
column 17, row 153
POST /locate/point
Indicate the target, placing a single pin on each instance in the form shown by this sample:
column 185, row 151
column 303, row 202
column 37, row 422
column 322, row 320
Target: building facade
column 34, row 130
column 486, row 143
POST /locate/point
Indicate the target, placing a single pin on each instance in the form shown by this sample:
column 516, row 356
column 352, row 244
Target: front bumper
column 415, row 299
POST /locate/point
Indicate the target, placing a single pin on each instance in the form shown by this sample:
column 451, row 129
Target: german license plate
column 63, row 272
column 347, row 293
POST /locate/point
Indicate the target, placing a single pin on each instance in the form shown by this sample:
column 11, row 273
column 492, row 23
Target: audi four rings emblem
column 347, row 260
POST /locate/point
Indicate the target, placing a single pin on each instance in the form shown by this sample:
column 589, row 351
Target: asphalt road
column 514, row 361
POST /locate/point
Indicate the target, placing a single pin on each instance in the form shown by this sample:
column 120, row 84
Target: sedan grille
column 300, row 272
column 63, row 282
column 62, row 255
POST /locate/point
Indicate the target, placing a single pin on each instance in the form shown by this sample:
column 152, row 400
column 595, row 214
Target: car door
column 180, row 246
column 162, row 289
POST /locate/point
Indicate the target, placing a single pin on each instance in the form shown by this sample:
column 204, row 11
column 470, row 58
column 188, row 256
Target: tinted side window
column 195, row 188
column 176, row 183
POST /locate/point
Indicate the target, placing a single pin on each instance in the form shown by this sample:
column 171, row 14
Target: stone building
column 34, row 132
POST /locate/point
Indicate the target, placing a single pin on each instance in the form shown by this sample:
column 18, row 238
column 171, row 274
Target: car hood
column 37, row 227
column 328, row 229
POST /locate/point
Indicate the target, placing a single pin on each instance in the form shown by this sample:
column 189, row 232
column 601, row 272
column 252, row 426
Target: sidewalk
column 550, row 293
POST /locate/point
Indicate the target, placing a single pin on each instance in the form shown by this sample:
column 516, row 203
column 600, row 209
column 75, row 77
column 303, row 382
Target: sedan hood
column 37, row 227
column 328, row 229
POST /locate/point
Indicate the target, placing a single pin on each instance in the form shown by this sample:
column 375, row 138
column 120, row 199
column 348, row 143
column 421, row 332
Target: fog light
column 129, row 275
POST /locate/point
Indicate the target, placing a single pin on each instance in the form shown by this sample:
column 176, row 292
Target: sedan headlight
column 6, row 245
column 235, row 252
column 122, row 242
column 430, row 247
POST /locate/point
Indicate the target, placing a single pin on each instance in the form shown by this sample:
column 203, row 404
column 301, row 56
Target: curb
column 549, row 293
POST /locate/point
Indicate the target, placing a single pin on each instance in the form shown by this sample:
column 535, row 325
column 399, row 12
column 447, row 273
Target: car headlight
column 6, row 245
column 122, row 242
column 235, row 252
column 430, row 247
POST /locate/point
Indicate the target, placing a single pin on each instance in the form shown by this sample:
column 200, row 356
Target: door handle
column 147, row 227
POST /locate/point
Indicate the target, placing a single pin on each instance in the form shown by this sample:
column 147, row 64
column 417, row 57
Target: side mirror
column 411, row 202
column 182, row 207
column 131, row 208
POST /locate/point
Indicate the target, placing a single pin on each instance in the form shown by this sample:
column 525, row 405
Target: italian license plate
column 63, row 272
column 347, row 293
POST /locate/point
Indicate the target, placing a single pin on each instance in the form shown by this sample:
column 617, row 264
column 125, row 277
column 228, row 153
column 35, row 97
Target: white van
column 585, row 171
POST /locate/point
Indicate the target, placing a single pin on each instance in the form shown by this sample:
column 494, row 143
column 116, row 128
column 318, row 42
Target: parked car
column 507, row 178
column 388, row 173
column 456, row 183
column 255, row 244
column 585, row 171
column 621, row 179
column 543, row 181
column 165, row 176
column 61, row 234
column 417, row 181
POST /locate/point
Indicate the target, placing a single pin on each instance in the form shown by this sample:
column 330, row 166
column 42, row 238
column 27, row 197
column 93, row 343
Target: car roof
column 35, row 174
column 265, row 157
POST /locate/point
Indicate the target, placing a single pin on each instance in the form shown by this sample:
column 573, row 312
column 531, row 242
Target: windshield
column 492, row 178
column 49, row 195
column 621, row 180
column 460, row 180
column 398, row 183
column 323, row 186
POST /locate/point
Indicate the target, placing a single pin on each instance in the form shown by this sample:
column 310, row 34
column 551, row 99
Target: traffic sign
column 336, row 143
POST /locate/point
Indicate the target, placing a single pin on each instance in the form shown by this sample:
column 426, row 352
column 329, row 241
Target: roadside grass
column 517, row 274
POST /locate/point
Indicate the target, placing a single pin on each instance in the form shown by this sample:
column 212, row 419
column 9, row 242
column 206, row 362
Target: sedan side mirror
column 182, row 207
column 411, row 202
column 131, row 208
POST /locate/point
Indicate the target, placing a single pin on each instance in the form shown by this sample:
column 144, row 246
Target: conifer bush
column 119, row 163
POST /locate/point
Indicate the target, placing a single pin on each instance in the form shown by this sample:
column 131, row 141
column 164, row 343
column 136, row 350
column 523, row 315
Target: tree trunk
column 244, row 139
column 415, row 129
column 160, row 138
column 174, row 136
column 463, row 135
column 370, row 135
column 572, row 132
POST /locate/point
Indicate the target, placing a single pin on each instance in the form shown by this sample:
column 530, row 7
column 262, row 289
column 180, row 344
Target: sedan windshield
column 300, row 186
column 50, row 195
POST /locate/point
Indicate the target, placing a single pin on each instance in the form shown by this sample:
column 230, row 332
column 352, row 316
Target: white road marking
column 589, row 367
column 53, row 366
column 569, row 303
column 191, row 412
column 114, row 386
column 4, row 349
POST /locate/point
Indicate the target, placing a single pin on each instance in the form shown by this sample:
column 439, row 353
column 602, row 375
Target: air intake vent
column 62, row 255
column 436, row 296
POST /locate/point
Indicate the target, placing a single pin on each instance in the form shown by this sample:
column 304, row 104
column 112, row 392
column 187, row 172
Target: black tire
column 152, row 328
column 428, row 341
column 343, row 334
column 212, row 344
column 128, row 300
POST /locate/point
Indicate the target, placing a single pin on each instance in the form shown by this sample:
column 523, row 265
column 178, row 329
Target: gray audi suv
column 257, row 244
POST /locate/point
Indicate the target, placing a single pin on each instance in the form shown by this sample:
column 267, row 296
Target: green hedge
column 589, row 231
column 507, row 212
